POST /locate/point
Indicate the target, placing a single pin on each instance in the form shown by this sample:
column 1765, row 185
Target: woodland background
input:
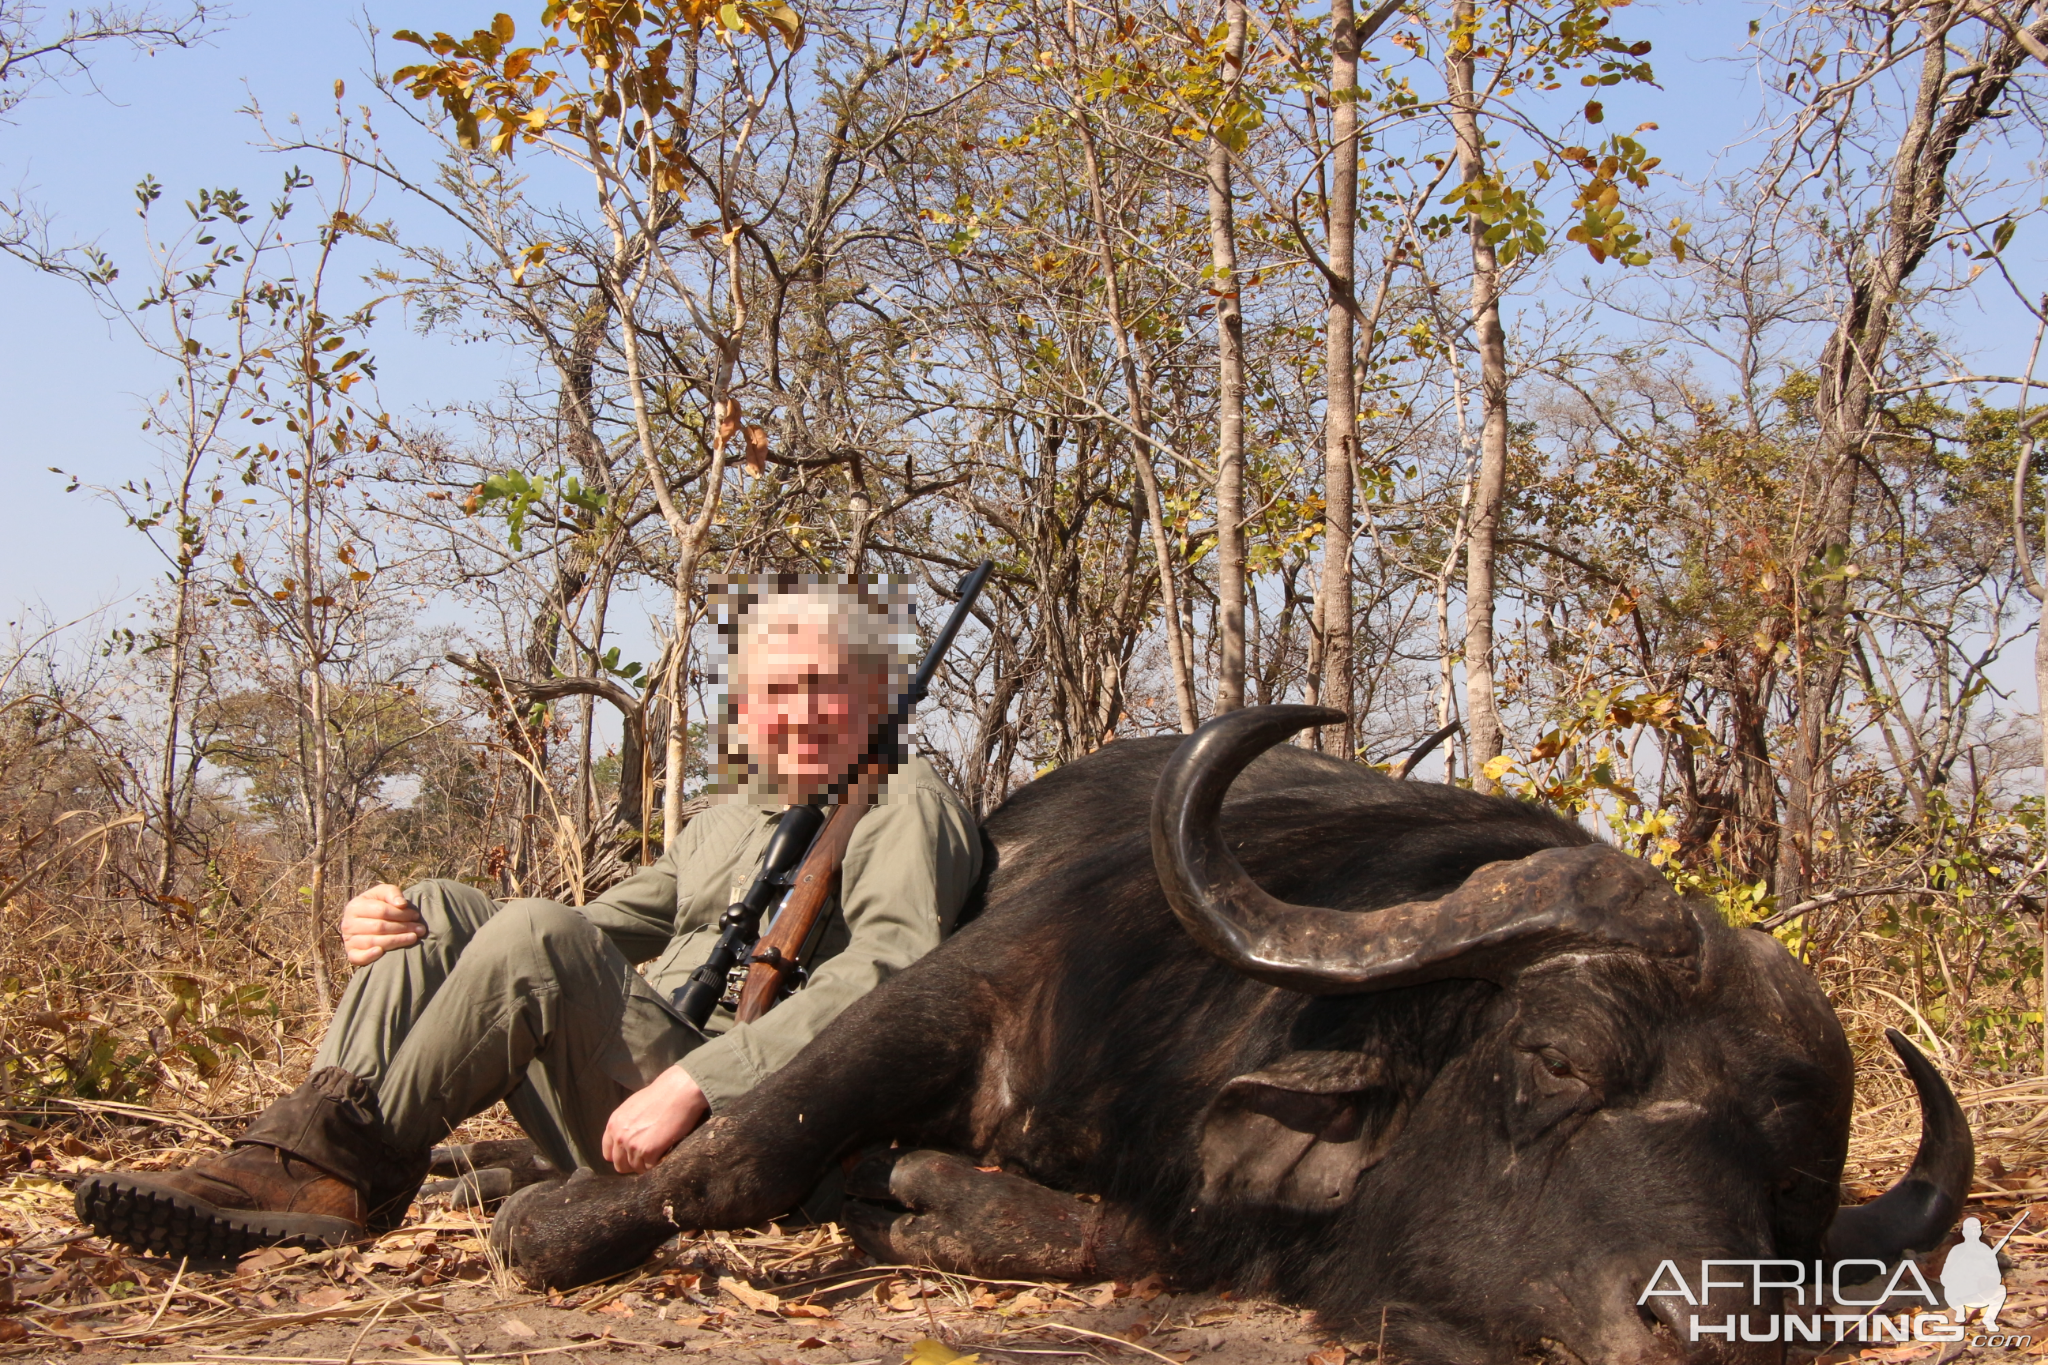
column 1188, row 315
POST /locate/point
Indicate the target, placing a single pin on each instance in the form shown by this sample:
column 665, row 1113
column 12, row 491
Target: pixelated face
column 803, row 706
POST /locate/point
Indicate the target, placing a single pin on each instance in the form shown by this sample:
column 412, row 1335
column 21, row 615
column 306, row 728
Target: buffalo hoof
column 564, row 1233
column 940, row 1210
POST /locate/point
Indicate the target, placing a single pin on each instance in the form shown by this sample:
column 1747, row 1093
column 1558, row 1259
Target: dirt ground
column 431, row 1293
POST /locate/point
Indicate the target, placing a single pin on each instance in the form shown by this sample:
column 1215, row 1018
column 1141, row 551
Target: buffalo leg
column 902, row 1061
column 988, row 1223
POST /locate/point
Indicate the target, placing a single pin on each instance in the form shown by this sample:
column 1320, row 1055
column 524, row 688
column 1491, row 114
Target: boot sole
column 136, row 1211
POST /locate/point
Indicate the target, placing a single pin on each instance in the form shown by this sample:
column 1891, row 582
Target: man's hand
column 378, row 920
column 653, row 1120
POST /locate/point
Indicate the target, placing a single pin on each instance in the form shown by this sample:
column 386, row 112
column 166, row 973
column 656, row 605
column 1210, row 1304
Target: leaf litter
column 431, row 1292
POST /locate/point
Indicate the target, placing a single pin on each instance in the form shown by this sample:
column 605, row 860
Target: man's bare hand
column 653, row 1120
column 376, row 921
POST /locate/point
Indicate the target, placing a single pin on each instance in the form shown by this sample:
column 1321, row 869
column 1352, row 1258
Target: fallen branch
column 169, row 1118
column 1787, row 916
column 14, row 887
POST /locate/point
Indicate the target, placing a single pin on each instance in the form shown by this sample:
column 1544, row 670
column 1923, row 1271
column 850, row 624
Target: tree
column 1967, row 61
column 205, row 315
column 1234, row 107
column 1340, row 399
column 303, row 571
column 36, row 52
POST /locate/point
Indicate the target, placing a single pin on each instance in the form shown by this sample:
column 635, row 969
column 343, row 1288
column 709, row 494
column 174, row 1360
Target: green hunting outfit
column 539, row 1004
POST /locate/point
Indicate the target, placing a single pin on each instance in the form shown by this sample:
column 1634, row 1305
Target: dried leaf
column 757, row 1299
column 270, row 1258
column 805, row 1310
column 757, row 451
column 1149, row 1288
column 324, row 1298
column 1332, row 1354
column 1214, row 1315
column 925, row 1351
column 513, row 1327
column 11, row 1329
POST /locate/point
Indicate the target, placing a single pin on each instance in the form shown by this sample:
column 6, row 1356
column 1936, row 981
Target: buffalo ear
column 1297, row 1135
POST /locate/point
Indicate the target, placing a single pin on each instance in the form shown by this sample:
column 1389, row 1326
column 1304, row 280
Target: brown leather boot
column 317, row 1168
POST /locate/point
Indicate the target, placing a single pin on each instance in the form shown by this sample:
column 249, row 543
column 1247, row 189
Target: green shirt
column 910, row 865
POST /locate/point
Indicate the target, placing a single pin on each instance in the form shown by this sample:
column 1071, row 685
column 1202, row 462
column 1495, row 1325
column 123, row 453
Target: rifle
column 800, row 868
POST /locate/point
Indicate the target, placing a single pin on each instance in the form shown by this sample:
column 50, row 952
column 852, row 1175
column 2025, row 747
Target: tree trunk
column 2041, row 691
column 191, row 540
column 1230, row 538
column 174, row 719
column 316, row 881
column 690, row 535
column 1340, row 413
column 675, row 754
column 1482, row 713
column 1141, row 420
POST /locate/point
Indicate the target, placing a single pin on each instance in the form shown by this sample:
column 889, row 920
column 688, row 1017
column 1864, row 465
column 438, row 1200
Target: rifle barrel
column 969, row 589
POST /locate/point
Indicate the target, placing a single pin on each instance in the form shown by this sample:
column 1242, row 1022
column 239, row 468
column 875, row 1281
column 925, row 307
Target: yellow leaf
column 1499, row 767
column 787, row 22
column 929, row 1352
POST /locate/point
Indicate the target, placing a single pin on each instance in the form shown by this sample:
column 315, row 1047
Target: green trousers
column 525, row 1002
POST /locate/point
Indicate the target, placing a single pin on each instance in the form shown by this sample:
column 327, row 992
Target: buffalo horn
column 1505, row 916
column 1915, row 1214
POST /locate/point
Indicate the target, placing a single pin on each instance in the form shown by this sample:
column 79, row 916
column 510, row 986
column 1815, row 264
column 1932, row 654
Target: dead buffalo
column 1374, row 1047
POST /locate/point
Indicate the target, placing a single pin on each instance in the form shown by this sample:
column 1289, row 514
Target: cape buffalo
column 1374, row 1047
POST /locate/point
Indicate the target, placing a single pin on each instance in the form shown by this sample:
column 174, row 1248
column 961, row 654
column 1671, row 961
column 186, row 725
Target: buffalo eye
column 1552, row 1088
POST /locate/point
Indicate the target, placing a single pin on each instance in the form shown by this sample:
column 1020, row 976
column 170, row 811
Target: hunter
column 460, row 1001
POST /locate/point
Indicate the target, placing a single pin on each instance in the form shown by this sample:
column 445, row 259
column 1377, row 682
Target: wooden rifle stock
column 771, row 971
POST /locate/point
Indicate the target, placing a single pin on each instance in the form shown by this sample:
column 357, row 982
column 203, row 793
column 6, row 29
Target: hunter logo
column 1842, row 1300
column 1970, row 1277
